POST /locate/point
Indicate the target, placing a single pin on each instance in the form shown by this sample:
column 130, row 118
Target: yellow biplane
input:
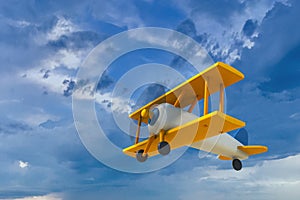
column 172, row 124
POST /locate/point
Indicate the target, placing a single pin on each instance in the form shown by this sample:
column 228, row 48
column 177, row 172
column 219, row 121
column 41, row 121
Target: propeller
column 141, row 97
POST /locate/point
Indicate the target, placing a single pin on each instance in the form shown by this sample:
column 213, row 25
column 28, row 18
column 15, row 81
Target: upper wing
column 217, row 74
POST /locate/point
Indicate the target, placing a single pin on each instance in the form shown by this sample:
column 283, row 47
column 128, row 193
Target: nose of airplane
column 154, row 114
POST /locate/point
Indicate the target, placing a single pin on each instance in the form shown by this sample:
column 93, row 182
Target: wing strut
column 221, row 104
column 138, row 130
column 206, row 95
column 149, row 142
column 177, row 102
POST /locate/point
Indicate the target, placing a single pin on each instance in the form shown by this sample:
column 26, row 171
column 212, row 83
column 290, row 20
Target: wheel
column 140, row 157
column 164, row 148
column 237, row 164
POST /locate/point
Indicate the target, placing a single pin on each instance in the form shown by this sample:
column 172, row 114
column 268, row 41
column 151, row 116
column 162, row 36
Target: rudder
column 242, row 136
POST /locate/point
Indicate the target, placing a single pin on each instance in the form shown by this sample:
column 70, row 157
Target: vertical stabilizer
column 242, row 136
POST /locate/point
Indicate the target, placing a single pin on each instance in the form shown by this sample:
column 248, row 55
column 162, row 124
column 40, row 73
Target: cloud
column 267, row 60
column 69, row 46
column 63, row 27
column 55, row 73
column 54, row 161
column 44, row 197
column 295, row 116
column 265, row 180
column 52, row 43
column 228, row 28
column 23, row 164
column 114, row 104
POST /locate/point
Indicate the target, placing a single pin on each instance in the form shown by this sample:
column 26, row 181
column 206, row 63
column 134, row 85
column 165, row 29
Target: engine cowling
column 165, row 116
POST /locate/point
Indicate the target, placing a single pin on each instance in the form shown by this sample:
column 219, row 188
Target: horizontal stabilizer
column 253, row 149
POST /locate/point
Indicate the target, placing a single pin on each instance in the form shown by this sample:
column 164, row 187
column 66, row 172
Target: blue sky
column 42, row 46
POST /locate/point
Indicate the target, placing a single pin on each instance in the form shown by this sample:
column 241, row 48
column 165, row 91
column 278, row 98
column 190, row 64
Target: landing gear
column 236, row 164
column 163, row 148
column 140, row 157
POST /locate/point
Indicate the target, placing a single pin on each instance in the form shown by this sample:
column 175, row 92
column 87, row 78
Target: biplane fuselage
column 172, row 124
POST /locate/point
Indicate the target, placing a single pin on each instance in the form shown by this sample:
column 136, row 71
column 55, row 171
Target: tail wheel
column 140, row 157
column 236, row 164
column 164, row 148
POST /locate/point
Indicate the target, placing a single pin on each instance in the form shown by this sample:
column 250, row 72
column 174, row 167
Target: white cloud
column 71, row 59
column 53, row 83
column 36, row 117
column 63, row 27
column 248, row 43
column 233, row 56
column 18, row 23
column 68, row 58
column 268, row 172
column 45, row 197
column 23, row 164
column 116, row 104
column 270, row 179
column 295, row 116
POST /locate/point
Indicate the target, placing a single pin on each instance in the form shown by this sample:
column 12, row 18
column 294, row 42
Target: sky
column 44, row 43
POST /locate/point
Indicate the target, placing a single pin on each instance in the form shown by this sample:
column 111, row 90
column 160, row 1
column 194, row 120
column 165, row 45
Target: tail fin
column 242, row 136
